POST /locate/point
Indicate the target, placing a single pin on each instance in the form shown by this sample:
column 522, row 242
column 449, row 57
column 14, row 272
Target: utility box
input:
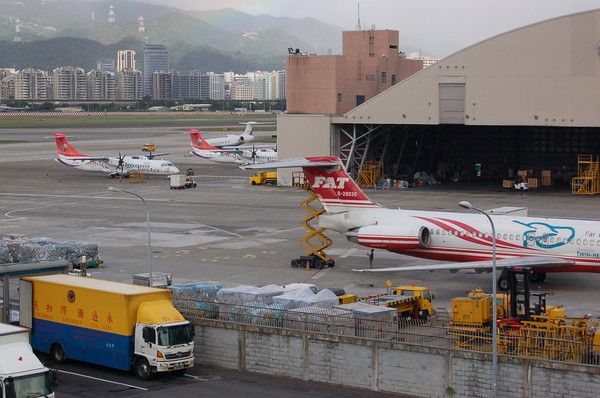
column 159, row 279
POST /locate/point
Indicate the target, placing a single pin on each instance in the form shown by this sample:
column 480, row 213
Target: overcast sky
column 439, row 27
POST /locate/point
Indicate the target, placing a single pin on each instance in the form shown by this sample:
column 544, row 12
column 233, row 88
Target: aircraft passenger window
column 578, row 241
column 552, row 240
column 505, row 236
column 480, row 234
column 432, row 231
column 511, row 237
column 518, row 237
column 443, row 232
column 499, row 236
column 591, row 242
column 437, row 231
column 585, row 242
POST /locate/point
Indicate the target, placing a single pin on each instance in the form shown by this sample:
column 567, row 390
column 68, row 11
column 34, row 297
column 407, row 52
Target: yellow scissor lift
column 316, row 257
column 587, row 181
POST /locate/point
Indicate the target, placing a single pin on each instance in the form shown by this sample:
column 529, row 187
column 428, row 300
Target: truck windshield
column 174, row 335
column 37, row 385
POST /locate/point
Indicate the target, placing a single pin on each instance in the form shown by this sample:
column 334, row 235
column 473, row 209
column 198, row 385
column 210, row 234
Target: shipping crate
column 533, row 182
column 507, row 183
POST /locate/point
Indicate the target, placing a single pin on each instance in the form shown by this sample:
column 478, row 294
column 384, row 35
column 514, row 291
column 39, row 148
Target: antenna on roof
column 358, row 27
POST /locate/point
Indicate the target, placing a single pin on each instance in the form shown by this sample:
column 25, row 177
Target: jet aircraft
column 114, row 166
column 233, row 139
column 463, row 240
column 239, row 156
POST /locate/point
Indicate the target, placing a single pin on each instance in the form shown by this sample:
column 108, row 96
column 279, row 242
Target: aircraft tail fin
column 249, row 128
column 199, row 143
column 64, row 147
column 334, row 187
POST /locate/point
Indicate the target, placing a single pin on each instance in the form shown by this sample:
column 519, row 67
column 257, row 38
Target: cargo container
column 113, row 324
column 21, row 372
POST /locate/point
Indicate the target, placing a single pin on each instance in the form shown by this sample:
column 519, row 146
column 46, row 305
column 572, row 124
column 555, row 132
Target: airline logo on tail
column 63, row 146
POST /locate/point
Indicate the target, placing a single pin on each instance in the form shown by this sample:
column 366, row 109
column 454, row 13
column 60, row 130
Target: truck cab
column 21, row 372
column 423, row 296
column 161, row 347
column 264, row 177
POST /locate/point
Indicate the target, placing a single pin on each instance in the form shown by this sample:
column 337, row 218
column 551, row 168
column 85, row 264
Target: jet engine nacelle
column 390, row 237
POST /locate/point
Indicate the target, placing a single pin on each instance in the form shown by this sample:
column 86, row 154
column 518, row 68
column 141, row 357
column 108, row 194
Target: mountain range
column 76, row 32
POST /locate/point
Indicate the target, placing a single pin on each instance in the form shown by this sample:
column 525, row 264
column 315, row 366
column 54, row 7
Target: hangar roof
column 544, row 74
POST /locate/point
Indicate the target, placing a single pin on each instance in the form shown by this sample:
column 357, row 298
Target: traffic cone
column 120, row 179
column 210, row 169
column 307, row 265
column 58, row 179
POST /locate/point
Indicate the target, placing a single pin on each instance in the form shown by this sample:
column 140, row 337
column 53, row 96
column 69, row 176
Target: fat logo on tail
column 336, row 190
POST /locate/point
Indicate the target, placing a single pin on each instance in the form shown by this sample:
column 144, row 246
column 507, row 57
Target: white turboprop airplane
column 234, row 139
column 113, row 166
column 239, row 156
column 465, row 240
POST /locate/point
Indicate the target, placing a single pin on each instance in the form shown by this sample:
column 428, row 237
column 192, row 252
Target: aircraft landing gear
column 533, row 277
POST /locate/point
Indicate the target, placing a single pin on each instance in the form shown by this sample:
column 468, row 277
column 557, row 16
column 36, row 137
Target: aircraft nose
column 175, row 170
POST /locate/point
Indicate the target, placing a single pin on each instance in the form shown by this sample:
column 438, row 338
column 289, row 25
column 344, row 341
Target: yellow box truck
column 119, row 325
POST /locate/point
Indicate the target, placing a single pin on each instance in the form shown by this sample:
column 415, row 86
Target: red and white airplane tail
column 64, row 147
column 199, row 143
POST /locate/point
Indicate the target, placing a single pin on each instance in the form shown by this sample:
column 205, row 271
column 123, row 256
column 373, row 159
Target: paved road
column 228, row 231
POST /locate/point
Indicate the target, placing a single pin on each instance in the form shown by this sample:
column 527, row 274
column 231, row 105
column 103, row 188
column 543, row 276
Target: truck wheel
column 330, row 263
column 294, row 263
column 253, row 182
column 142, row 369
column 58, row 353
column 319, row 264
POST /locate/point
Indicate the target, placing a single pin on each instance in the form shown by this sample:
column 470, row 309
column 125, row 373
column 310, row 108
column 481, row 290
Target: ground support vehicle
column 412, row 302
column 123, row 326
column 21, row 372
column 264, row 177
column 311, row 262
column 180, row 181
column 526, row 327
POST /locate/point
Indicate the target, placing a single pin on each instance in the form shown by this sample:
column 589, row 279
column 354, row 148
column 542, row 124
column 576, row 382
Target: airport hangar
column 527, row 99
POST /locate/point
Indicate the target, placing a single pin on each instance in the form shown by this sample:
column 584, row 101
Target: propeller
column 121, row 162
column 253, row 157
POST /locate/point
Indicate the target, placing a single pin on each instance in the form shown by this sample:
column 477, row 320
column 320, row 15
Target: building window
column 339, row 96
column 393, row 79
column 383, row 77
column 360, row 99
column 370, row 78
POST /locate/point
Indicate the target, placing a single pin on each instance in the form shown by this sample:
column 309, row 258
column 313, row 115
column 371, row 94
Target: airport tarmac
column 231, row 232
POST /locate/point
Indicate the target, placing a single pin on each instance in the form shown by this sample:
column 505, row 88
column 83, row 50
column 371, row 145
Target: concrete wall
column 385, row 366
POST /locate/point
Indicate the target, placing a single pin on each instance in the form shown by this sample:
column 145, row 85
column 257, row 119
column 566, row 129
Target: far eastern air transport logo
column 541, row 235
column 330, row 182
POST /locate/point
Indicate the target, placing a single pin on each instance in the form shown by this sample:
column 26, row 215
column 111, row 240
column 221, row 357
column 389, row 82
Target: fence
column 557, row 339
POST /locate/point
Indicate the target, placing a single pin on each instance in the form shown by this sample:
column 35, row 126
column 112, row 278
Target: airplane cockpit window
column 166, row 164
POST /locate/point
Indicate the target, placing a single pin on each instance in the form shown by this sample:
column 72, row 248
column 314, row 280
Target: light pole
column 113, row 189
column 466, row 205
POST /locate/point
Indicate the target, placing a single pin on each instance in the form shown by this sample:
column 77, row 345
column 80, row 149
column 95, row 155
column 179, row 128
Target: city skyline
column 422, row 24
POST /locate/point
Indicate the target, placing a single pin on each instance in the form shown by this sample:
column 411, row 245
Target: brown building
column 335, row 84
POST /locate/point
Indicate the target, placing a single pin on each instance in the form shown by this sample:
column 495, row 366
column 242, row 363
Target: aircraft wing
column 294, row 162
column 481, row 266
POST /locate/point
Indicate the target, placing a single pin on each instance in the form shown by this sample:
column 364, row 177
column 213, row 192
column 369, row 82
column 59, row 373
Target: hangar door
column 452, row 99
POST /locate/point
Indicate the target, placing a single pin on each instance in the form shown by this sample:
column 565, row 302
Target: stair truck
column 119, row 325
column 21, row 372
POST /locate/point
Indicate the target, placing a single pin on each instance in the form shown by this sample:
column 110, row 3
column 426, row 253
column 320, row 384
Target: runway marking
column 104, row 380
column 348, row 252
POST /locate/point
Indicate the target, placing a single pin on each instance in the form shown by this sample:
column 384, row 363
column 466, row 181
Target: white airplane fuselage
column 130, row 163
column 237, row 157
column 463, row 237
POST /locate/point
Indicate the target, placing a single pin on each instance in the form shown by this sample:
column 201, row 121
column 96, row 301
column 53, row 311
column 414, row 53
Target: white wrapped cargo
column 373, row 321
column 320, row 320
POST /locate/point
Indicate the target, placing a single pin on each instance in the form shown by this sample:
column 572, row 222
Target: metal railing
column 556, row 339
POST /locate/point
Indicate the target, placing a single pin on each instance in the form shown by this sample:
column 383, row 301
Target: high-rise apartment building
column 125, row 60
column 101, row 85
column 31, row 84
column 129, row 85
column 156, row 59
column 162, row 85
column 106, row 65
column 69, row 83
column 216, row 86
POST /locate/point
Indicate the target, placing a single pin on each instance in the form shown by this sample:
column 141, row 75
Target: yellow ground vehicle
column 264, row 177
column 412, row 302
column 149, row 147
